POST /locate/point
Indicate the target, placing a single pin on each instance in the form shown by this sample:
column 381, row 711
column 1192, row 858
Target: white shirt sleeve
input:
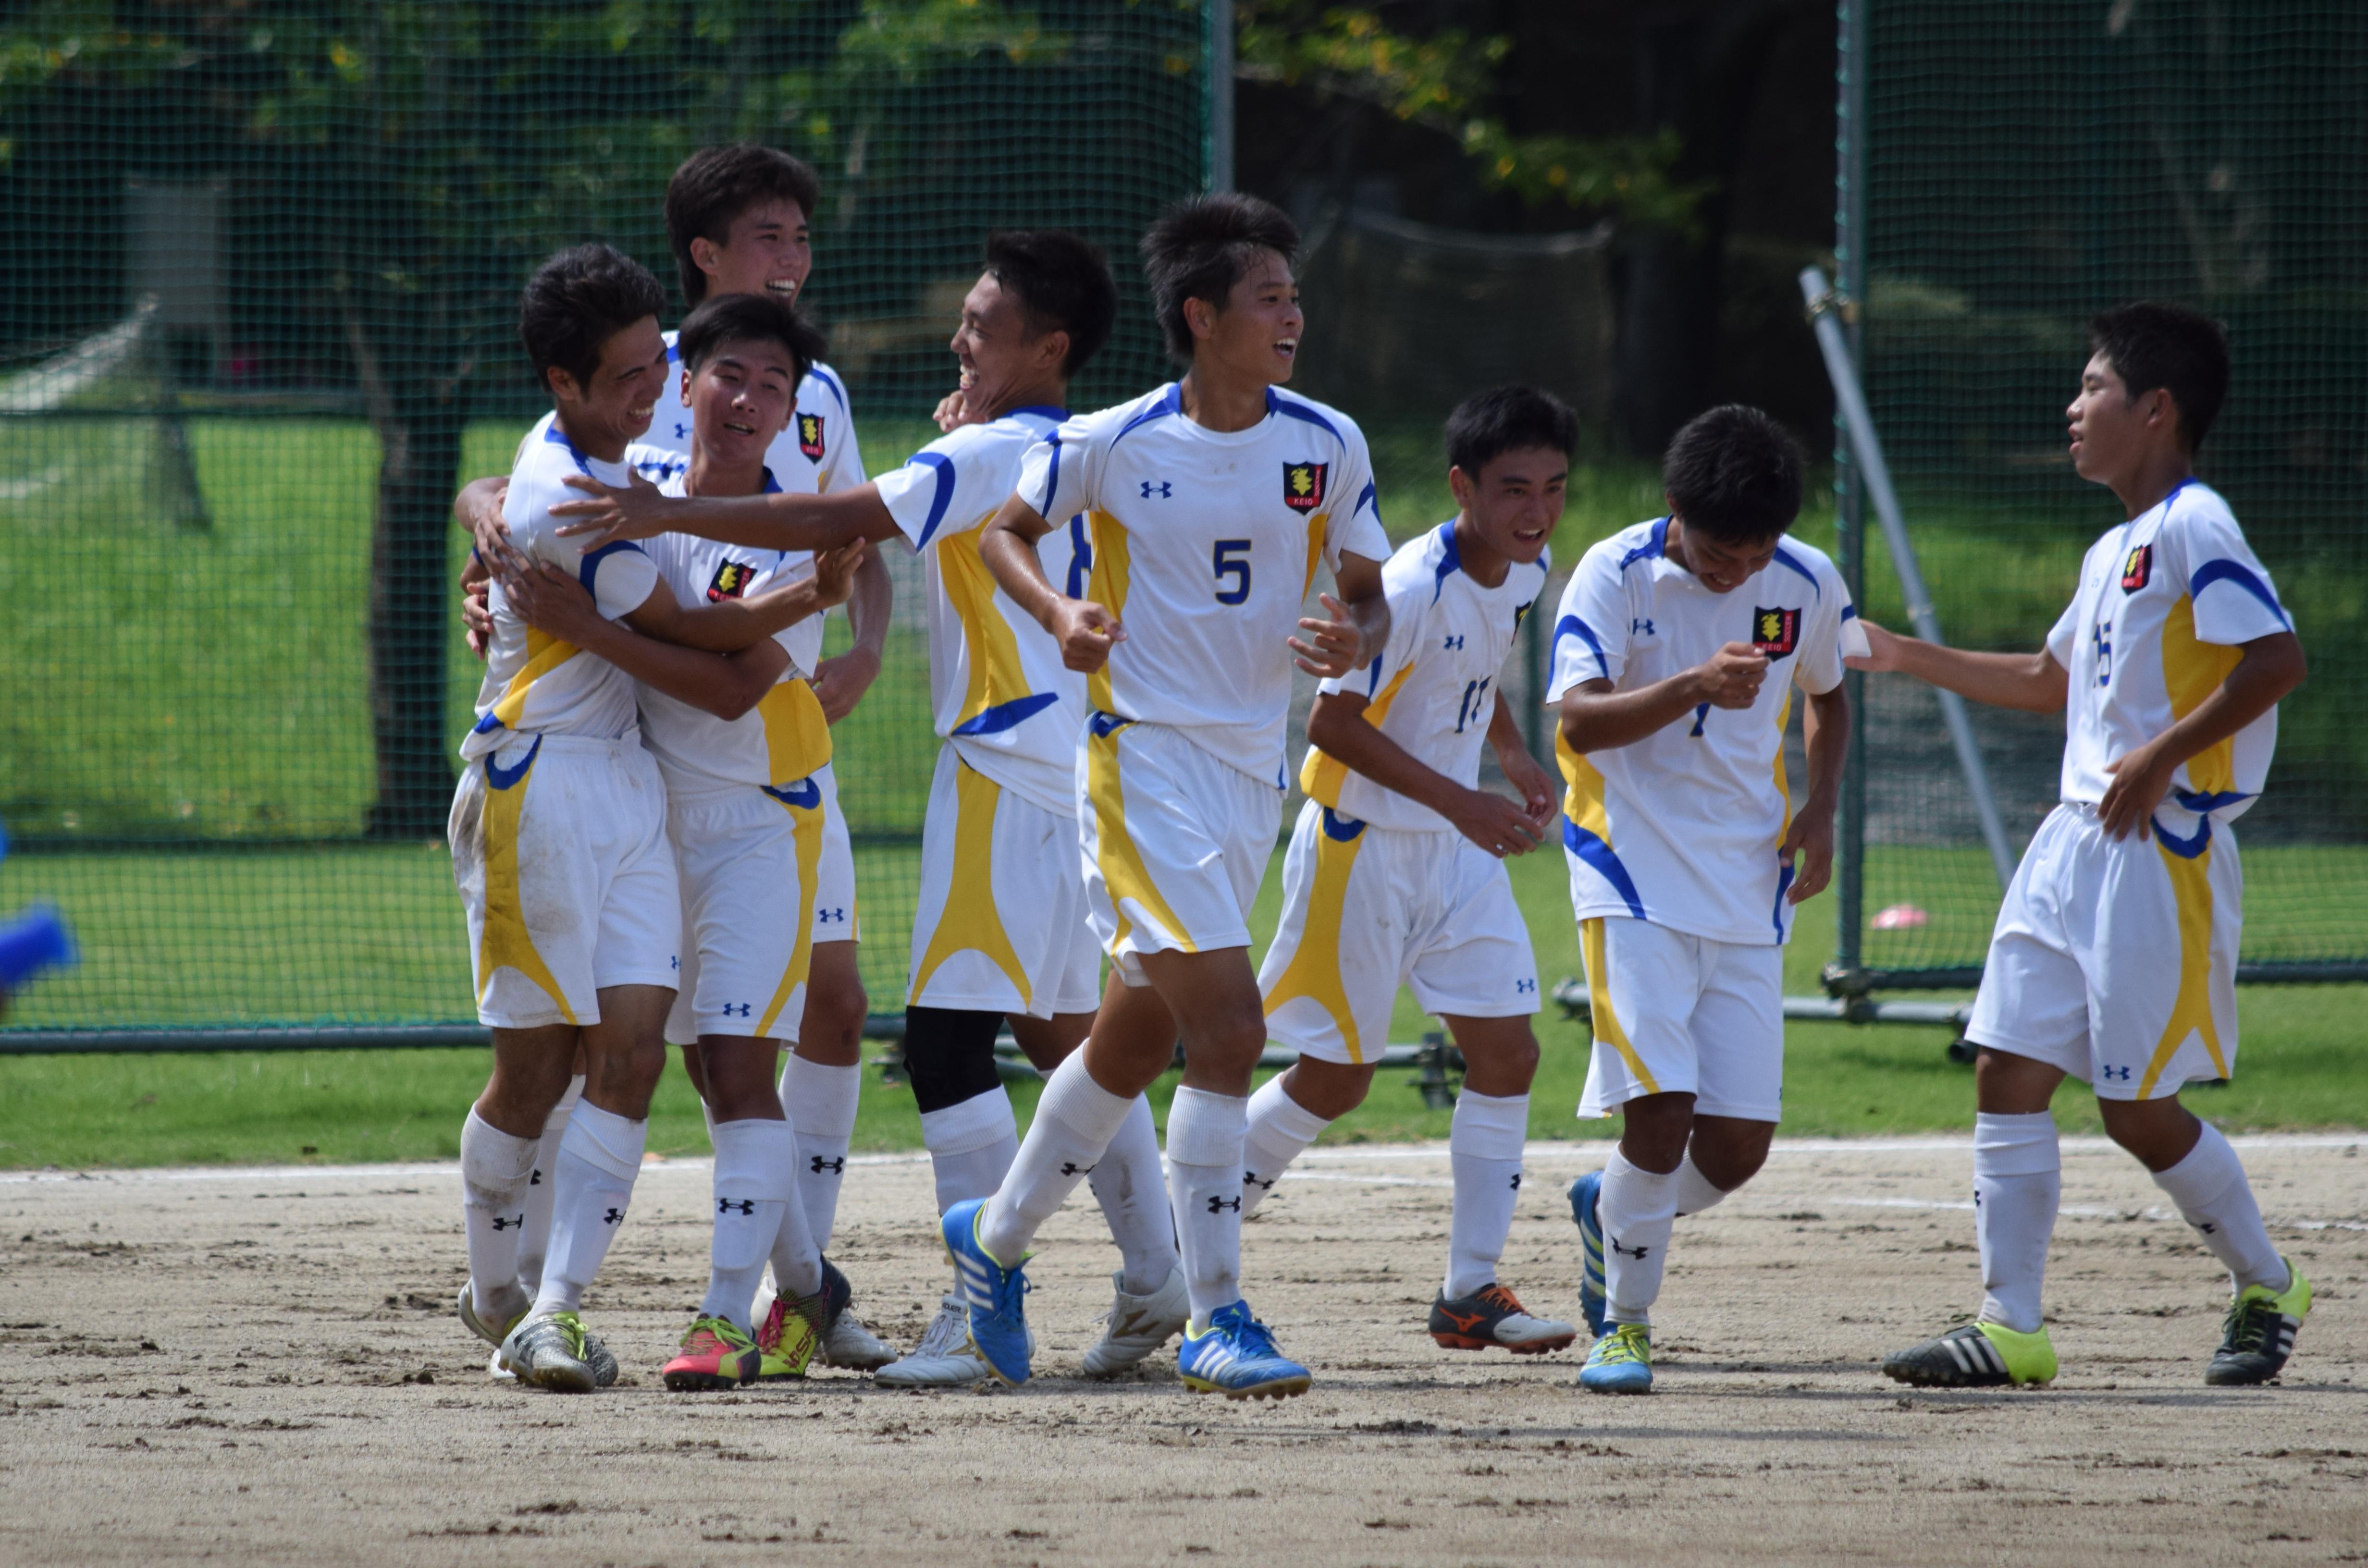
column 1056, row 477
column 1835, row 634
column 620, row 576
column 1590, row 629
column 1406, row 638
column 2065, row 635
column 1360, row 532
column 2235, row 601
column 941, row 490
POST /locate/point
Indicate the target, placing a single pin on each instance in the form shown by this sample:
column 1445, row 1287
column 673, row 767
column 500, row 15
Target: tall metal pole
column 1849, row 494
column 1220, row 174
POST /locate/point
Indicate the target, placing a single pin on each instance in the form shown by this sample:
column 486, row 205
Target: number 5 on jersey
column 1230, row 558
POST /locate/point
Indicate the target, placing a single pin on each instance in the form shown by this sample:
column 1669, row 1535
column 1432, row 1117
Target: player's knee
column 837, row 1014
column 1655, row 1128
column 949, row 1056
column 1231, row 1034
column 2160, row 1132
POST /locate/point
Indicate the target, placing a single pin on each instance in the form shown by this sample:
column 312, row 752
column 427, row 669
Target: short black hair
column 1733, row 474
column 2153, row 343
column 1062, row 283
column 1199, row 248
column 576, row 301
column 715, row 185
column 742, row 318
column 1487, row 425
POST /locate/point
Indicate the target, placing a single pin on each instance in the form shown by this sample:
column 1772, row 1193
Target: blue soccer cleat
column 1621, row 1361
column 997, row 1296
column 1236, row 1355
column 1583, row 1194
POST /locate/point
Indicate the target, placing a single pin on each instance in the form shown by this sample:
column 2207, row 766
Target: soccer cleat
column 997, row 1296
column 788, row 1338
column 2258, row 1333
column 845, row 1341
column 1975, row 1356
column 1583, row 1196
column 1138, row 1324
column 716, row 1354
column 944, row 1359
column 548, row 1352
column 1621, row 1361
column 1491, row 1318
column 1236, row 1355
column 491, row 1333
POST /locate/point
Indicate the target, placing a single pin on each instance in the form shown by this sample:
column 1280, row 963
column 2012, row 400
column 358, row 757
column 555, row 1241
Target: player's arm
column 1522, row 771
column 839, row 682
column 2034, row 683
column 726, row 685
column 604, row 514
column 1808, row 845
column 1360, row 626
column 1337, row 726
column 1597, row 717
column 1084, row 630
column 730, row 625
column 478, row 509
column 2267, row 669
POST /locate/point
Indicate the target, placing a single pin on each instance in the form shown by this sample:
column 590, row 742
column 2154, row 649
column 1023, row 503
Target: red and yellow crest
column 810, row 436
column 1302, row 485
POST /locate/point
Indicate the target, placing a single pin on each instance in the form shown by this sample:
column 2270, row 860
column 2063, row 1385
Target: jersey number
column 2103, row 635
column 1476, row 696
column 1231, row 559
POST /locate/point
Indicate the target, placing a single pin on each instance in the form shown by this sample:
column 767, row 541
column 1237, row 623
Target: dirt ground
column 264, row 1367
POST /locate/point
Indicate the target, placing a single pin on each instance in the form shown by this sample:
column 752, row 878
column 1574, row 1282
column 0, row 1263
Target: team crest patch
column 2138, row 570
column 1775, row 632
column 1302, row 485
column 732, row 580
column 810, row 436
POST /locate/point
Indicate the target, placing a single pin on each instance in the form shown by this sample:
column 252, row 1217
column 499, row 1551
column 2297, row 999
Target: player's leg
column 1290, row 1112
column 497, row 1166
column 754, row 1188
column 534, row 1239
column 967, row 1123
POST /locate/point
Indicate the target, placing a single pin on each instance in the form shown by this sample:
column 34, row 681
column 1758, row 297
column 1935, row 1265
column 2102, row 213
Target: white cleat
column 1138, row 1326
column 848, row 1344
column 944, row 1359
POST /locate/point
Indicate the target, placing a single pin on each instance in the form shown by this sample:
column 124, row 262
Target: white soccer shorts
column 1678, row 1014
column 835, row 917
column 2116, row 961
column 1365, row 909
column 1001, row 923
column 560, row 851
column 749, row 857
column 1175, row 843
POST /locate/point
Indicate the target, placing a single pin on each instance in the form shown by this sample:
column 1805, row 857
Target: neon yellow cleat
column 1975, row 1356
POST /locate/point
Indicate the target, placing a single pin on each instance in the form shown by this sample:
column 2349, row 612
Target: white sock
column 494, row 1169
column 754, row 1179
column 1484, row 1147
column 1638, row 1209
column 1076, row 1119
column 2210, row 1188
column 1279, row 1130
column 599, row 1155
column 970, row 1146
column 820, row 1102
column 2018, row 1182
column 1696, row 1191
column 534, row 1240
column 1204, row 1185
column 797, row 1262
column 1128, row 1185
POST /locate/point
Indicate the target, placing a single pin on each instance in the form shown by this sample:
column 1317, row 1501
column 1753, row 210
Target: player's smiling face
column 602, row 414
column 998, row 357
column 765, row 251
column 1515, row 500
column 740, row 399
column 2107, row 426
column 1720, row 565
column 1258, row 332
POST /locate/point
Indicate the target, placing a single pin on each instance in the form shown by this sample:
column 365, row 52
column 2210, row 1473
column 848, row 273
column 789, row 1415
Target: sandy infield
column 264, row 1367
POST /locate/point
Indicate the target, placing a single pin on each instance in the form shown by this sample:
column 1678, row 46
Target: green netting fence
column 2009, row 166
column 257, row 322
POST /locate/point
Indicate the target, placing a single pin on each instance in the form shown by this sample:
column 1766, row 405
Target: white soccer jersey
column 2164, row 600
column 1682, row 827
column 785, row 737
column 536, row 683
column 1205, row 544
column 816, row 454
column 1001, row 694
column 1433, row 690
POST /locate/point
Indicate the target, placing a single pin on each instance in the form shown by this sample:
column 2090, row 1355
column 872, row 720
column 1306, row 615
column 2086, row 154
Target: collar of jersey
column 1040, row 410
column 1172, row 402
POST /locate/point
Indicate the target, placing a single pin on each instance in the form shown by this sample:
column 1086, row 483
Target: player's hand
column 476, row 612
column 492, row 535
column 1882, row 650
column 839, row 683
column 609, row 513
column 1495, row 824
column 2141, row 779
column 953, row 411
column 1087, row 632
column 1541, row 794
column 1338, row 644
column 1731, row 677
column 834, row 576
column 553, row 602
column 1808, row 848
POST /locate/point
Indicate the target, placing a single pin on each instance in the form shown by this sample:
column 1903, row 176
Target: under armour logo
column 825, row 916
column 1071, row 1168
column 2203, row 1227
column 535, row 1179
column 2115, row 1074
column 675, row 963
column 726, row 1205
column 501, row 1224
column 612, row 1216
column 1160, row 488
column 1639, row 628
column 1517, row 1181
column 1219, row 1205
column 681, row 431
column 1637, row 1252
column 1454, row 644
column 1525, row 988
column 737, row 1009
column 1250, row 1178
column 835, row 1167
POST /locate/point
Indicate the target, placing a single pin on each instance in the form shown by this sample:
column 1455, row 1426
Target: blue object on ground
column 33, row 942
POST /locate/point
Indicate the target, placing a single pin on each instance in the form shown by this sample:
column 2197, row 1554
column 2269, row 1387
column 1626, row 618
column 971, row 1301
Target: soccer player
column 1211, row 502
column 1001, row 934
column 558, row 837
column 2114, row 957
column 1677, row 648
column 1395, row 871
